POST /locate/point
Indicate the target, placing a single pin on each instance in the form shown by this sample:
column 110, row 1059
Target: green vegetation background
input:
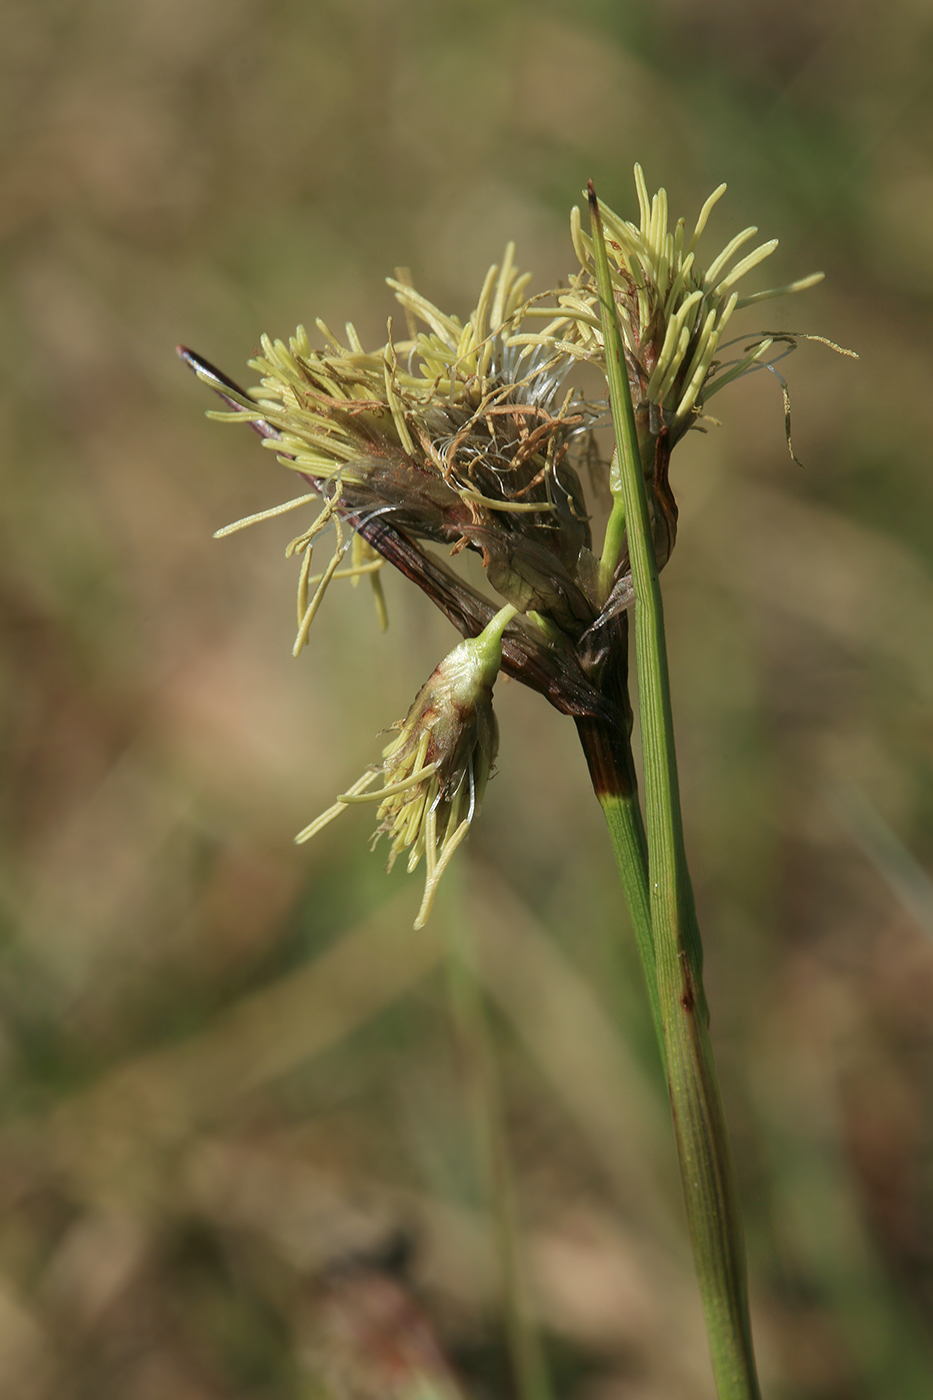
column 227, row 1065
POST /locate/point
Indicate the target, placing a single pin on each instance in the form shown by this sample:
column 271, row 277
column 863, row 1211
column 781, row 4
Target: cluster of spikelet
column 470, row 435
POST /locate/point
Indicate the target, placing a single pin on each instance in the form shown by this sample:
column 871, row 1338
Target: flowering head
column 457, row 436
column 436, row 768
column 465, row 435
column 672, row 311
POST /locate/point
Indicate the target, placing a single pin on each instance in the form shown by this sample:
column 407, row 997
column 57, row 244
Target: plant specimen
column 472, row 436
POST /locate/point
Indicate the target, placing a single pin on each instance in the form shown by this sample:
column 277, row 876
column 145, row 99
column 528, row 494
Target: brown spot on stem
column 688, row 996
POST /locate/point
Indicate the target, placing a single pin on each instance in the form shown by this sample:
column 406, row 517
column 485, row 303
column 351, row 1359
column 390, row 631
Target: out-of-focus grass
column 227, row 1065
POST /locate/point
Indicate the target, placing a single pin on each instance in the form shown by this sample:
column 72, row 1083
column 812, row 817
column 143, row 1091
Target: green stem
column 608, row 749
column 699, row 1123
column 627, row 834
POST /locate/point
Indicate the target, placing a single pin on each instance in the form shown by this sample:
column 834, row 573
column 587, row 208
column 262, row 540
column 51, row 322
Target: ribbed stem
column 607, row 745
column 699, row 1124
column 612, row 770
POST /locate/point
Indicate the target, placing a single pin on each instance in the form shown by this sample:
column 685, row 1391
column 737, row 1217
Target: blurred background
column 241, row 1148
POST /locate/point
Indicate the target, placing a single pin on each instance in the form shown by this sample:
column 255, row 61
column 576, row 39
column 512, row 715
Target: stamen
column 303, row 583
column 266, row 514
column 502, row 287
column 678, row 283
column 328, row 334
column 404, row 785
column 357, row 571
column 479, row 321
column 747, row 263
column 356, row 345
column 740, row 367
column 519, row 507
column 732, row 247
column 704, row 214
column 800, row 285
column 699, row 364
column 446, row 327
column 390, row 370
column 430, row 888
column 669, row 362
column 311, row 611
column 339, row 806
column 582, row 243
column 644, row 203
